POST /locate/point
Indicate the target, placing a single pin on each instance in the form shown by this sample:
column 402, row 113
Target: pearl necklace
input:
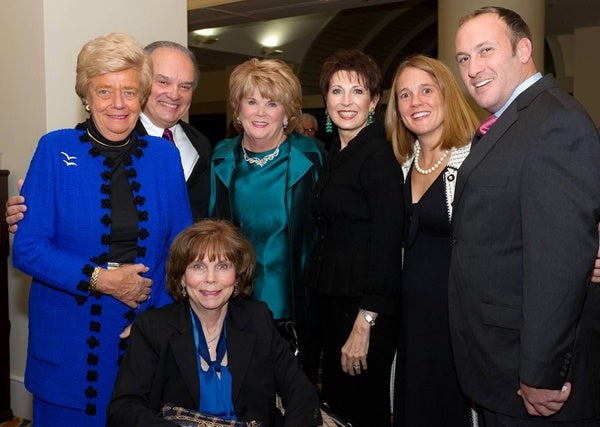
column 261, row 162
column 431, row 169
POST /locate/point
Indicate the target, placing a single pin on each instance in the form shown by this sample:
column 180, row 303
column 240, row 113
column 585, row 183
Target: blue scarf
column 215, row 391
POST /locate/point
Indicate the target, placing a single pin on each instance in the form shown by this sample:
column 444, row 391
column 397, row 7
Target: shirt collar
column 152, row 129
column 518, row 90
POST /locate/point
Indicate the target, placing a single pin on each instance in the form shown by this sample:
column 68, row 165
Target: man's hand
column 541, row 401
column 15, row 207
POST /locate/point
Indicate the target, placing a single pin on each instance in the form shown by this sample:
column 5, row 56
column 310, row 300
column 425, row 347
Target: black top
column 359, row 211
column 124, row 223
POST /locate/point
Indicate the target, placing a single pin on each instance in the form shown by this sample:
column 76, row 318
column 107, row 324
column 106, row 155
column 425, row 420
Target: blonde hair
column 274, row 80
column 460, row 121
column 112, row 53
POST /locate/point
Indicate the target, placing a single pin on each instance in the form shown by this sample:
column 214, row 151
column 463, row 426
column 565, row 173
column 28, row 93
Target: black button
column 450, row 178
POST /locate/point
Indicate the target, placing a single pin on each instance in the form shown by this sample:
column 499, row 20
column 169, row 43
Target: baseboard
column 21, row 401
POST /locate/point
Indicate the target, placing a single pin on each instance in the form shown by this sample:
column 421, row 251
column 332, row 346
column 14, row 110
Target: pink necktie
column 486, row 125
column 167, row 134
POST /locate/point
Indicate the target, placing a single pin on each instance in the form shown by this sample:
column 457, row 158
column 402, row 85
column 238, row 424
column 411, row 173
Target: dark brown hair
column 352, row 60
column 215, row 240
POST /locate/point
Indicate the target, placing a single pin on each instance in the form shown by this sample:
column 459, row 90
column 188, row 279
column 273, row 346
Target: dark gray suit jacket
column 160, row 367
column 198, row 183
column 525, row 237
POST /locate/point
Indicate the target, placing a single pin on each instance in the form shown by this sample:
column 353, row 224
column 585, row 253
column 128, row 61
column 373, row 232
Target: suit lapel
column 184, row 350
column 240, row 344
column 480, row 147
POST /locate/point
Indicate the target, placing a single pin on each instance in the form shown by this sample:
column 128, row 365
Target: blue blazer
column 74, row 346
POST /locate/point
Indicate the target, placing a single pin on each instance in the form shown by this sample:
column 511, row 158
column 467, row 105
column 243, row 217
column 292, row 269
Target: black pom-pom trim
column 92, row 342
column 92, row 359
column 95, row 326
column 92, row 376
column 90, row 409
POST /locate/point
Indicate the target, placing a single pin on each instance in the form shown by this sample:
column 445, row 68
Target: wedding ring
column 356, row 366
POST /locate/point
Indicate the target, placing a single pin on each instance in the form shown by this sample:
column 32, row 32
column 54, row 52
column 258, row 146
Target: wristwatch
column 367, row 317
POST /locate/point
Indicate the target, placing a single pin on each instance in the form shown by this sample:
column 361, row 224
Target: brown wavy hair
column 214, row 239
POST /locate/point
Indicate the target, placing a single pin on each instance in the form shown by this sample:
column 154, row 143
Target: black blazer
column 160, row 366
column 198, row 183
column 358, row 207
column 525, row 239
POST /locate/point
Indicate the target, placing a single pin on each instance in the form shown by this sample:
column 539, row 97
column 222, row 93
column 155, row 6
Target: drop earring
column 183, row 290
column 371, row 115
column 328, row 124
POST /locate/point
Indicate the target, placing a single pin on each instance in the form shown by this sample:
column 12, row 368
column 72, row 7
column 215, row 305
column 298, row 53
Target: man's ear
column 524, row 49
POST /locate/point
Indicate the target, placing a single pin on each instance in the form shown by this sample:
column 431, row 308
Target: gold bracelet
column 94, row 279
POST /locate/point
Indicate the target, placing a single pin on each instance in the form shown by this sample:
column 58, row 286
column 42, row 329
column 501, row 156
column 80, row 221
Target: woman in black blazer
column 210, row 271
column 357, row 268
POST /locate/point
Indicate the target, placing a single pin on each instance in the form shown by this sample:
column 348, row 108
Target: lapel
column 184, row 349
column 298, row 163
column 240, row 345
column 482, row 146
column 223, row 160
column 201, row 145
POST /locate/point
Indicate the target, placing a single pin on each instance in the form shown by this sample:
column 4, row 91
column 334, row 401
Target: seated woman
column 214, row 350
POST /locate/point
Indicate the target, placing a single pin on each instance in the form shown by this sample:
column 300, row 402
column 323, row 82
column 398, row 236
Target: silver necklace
column 261, row 161
column 209, row 342
column 431, row 169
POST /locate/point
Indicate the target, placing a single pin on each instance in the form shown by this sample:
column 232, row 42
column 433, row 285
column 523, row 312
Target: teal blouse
column 257, row 198
column 271, row 205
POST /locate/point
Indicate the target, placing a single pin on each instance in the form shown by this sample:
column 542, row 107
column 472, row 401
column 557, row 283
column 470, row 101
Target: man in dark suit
column 525, row 322
column 174, row 80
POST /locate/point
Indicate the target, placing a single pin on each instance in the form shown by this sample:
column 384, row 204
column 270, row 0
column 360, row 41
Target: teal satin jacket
column 304, row 163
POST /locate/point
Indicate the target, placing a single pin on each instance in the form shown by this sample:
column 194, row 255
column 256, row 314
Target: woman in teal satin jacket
column 262, row 180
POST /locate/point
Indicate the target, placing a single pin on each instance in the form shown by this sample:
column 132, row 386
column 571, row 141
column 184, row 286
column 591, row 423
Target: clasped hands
column 541, row 401
column 126, row 284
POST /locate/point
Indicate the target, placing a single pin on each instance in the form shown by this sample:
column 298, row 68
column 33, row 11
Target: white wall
column 39, row 42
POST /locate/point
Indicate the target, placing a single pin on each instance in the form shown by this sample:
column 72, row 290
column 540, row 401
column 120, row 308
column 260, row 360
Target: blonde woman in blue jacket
column 103, row 204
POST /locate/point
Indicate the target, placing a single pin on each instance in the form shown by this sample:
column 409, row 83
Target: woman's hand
column 125, row 284
column 356, row 348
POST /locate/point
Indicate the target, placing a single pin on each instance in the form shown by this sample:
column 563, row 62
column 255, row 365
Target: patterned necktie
column 486, row 125
column 167, row 134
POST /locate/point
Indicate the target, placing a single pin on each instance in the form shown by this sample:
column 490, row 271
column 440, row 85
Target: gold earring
column 183, row 291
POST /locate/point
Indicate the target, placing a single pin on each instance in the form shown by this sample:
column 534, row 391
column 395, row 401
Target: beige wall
column 39, row 41
column 586, row 69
